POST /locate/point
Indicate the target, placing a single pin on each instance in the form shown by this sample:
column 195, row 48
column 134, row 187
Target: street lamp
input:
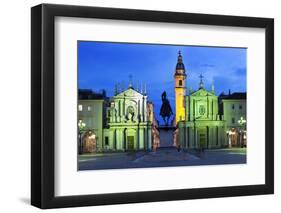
column 81, row 126
column 229, row 133
column 241, row 123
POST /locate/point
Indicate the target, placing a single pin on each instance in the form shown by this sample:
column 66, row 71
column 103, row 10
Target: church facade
column 200, row 125
column 124, row 122
column 129, row 127
column 203, row 126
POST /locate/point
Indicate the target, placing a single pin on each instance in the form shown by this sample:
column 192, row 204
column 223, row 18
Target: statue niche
column 166, row 110
column 130, row 115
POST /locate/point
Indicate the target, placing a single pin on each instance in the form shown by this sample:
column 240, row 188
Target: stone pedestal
column 166, row 136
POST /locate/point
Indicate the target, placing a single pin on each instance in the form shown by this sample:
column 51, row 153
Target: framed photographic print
column 139, row 106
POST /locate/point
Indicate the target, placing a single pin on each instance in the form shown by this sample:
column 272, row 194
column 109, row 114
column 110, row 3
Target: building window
column 240, row 106
column 80, row 107
column 180, row 82
column 106, row 141
column 233, row 120
column 89, row 108
column 233, row 107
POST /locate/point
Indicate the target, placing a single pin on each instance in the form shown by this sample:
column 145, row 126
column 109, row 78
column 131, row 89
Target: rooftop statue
column 166, row 110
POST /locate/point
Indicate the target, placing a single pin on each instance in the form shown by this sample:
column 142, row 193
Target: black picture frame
column 43, row 117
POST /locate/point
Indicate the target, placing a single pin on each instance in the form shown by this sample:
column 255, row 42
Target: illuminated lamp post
column 242, row 123
column 81, row 126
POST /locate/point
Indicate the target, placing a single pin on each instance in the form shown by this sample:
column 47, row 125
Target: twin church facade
column 199, row 124
column 129, row 126
column 126, row 121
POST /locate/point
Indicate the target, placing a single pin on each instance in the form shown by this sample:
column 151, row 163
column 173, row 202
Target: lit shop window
column 89, row 108
column 80, row 107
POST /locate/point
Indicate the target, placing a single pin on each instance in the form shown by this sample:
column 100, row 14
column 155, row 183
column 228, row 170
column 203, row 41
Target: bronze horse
column 166, row 110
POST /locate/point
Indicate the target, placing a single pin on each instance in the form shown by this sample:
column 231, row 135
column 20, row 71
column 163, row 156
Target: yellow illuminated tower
column 180, row 89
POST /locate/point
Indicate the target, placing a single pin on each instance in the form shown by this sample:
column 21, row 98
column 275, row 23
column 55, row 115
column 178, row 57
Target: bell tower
column 180, row 89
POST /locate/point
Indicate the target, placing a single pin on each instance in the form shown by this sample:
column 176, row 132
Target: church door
column 130, row 140
column 202, row 139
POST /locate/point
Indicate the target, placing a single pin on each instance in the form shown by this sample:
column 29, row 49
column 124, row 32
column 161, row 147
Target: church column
column 213, row 109
column 193, row 109
column 190, row 109
column 114, row 139
column 141, row 138
column 124, row 140
column 208, row 107
column 118, row 139
column 217, row 135
column 119, row 108
column 195, row 137
column 144, row 109
column 220, row 136
column 123, row 110
column 144, row 138
column 141, row 109
column 139, row 112
column 137, row 139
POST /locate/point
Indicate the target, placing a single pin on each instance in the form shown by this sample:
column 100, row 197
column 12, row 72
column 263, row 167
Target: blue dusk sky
column 101, row 65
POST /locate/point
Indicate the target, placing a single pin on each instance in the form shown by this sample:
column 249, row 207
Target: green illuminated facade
column 128, row 125
column 125, row 122
column 203, row 127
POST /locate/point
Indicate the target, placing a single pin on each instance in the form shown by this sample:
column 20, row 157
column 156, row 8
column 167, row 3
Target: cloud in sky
column 101, row 65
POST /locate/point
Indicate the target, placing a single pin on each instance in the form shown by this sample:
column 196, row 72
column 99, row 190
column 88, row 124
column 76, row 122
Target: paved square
column 163, row 157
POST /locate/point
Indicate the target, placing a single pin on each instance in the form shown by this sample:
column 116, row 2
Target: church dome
column 180, row 69
column 180, row 66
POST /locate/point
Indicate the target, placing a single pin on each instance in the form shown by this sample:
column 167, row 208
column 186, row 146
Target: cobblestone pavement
column 163, row 157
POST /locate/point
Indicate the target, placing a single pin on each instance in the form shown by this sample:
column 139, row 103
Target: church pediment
column 129, row 93
column 202, row 92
